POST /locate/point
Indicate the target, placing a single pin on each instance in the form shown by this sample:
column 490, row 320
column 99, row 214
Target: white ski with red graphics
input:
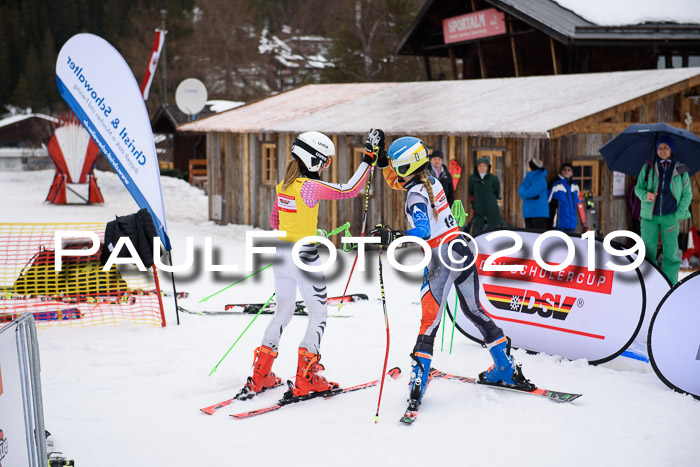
column 243, row 394
column 412, row 411
column 289, row 399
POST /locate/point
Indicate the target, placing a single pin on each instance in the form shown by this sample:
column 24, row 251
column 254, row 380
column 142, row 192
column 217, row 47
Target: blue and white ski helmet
column 408, row 155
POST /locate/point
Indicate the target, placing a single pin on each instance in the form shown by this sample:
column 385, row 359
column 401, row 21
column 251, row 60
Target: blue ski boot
column 420, row 369
column 504, row 371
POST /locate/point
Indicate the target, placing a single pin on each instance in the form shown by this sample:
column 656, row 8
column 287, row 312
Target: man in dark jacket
column 564, row 200
column 439, row 171
column 484, row 192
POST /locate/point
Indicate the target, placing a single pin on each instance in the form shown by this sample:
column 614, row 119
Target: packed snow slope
column 130, row 394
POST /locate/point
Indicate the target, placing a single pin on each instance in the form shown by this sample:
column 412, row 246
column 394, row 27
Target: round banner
column 674, row 338
column 587, row 309
column 656, row 285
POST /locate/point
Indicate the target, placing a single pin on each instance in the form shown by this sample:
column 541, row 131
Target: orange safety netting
column 81, row 294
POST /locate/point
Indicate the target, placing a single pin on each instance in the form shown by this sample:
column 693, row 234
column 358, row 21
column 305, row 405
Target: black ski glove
column 386, row 234
column 376, row 144
column 370, row 156
column 382, row 160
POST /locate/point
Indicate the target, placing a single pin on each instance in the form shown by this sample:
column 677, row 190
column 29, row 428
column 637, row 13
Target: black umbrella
column 628, row 151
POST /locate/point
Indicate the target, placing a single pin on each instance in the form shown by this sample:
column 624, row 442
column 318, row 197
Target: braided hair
column 423, row 177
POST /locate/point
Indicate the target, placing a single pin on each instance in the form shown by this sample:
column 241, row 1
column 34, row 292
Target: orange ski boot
column 308, row 380
column 263, row 378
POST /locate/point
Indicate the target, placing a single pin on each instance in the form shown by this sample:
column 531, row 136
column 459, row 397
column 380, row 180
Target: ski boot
column 420, row 370
column 504, row 372
column 308, row 381
column 263, row 378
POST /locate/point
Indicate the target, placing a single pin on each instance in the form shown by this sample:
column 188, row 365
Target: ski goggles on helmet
column 409, row 158
column 318, row 159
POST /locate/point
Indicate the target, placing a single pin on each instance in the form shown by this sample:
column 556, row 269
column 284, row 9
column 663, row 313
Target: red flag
column 158, row 42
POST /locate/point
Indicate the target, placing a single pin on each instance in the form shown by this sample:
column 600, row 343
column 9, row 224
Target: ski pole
column 343, row 229
column 386, row 324
column 444, row 314
column 362, row 234
column 239, row 337
column 454, row 320
column 335, row 231
column 237, row 282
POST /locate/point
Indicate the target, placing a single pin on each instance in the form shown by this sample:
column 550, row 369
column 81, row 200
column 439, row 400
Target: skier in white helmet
column 430, row 217
column 296, row 211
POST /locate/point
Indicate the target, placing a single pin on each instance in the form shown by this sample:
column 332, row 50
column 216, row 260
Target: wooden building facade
column 22, row 142
column 555, row 118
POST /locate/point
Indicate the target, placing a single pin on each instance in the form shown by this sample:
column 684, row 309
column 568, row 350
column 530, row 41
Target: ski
column 240, row 312
column 53, row 315
column 241, row 396
column 410, row 415
column 253, row 308
column 350, row 298
column 556, row 396
column 300, row 306
column 411, row 412
column 288, row 400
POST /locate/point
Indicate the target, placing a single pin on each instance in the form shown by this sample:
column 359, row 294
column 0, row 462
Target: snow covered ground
column 130, row 394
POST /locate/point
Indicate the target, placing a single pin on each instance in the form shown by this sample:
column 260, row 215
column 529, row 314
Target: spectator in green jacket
column 484, row 193
column 664, row 188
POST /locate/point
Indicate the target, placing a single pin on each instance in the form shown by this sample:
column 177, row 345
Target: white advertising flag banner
column 100, row 88
column 674, row 338
column 575, row 312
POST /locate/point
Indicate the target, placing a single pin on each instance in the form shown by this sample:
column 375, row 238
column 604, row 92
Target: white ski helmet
column 314, row 150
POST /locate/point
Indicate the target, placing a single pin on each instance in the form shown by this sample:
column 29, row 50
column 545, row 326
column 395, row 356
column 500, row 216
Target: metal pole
column 164, row 61
column 386, row 325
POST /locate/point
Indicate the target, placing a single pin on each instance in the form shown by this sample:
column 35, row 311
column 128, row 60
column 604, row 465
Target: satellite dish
column 190, row 96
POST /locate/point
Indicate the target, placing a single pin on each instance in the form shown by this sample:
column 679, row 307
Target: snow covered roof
column 600, row 20
column 218, row 105
column 524, row 107
column 579, row 22
column 20, row 117
column 629, row 12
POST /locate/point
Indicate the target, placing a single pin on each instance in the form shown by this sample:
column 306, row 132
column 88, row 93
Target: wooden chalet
column 564, row 118
column 176, row 149
column 502, row 38
column 182, row 153
column 22, row 142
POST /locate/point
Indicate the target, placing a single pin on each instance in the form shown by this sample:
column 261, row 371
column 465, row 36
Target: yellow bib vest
column 296, row 218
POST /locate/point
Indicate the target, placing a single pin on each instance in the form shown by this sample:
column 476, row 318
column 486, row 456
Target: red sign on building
column 483, row 23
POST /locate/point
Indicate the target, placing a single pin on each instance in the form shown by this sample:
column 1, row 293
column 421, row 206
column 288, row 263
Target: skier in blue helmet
column 430, row 219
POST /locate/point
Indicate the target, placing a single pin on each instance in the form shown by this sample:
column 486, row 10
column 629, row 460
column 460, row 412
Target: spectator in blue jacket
column 533, row 191
column 564, row 201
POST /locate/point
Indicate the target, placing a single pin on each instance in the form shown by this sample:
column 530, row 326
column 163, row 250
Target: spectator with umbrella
column 663, row 183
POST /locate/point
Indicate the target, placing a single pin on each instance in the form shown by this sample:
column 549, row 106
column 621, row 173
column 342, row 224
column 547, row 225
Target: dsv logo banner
column 546, row 305
column 576, row 312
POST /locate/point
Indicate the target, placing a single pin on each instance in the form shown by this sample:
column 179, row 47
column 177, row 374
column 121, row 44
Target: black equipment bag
column 139, row 228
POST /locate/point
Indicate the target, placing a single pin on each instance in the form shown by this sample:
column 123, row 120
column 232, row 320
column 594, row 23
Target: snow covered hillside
column 129, row 394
